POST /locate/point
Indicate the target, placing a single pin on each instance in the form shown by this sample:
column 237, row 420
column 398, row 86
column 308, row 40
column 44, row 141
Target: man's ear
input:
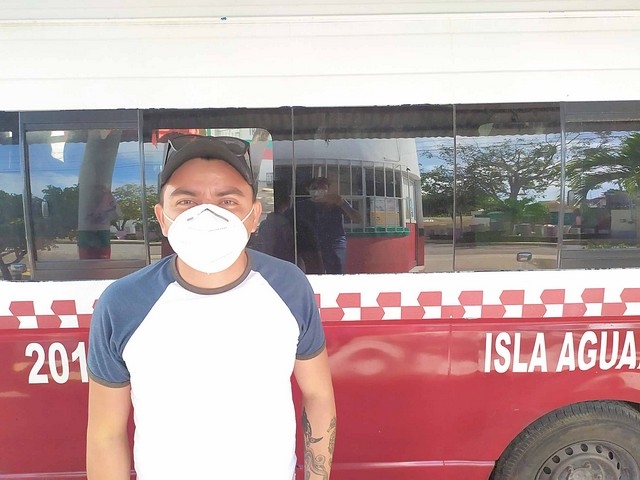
column 158, row 210
column 257, row 212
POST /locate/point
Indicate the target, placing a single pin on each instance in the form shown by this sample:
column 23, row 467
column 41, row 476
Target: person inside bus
column 203, row 343
column 325, row 212
column 276, row 237
column 275, row 233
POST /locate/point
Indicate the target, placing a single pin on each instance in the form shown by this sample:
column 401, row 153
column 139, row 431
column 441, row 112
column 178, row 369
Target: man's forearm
column 108, row 459
column 319, row 425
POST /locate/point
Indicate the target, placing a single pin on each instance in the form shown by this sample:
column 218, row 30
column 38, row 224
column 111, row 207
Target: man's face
column 215, row 182
column 318, row 191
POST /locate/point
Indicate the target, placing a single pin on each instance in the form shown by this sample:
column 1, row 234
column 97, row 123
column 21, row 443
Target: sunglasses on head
column 237, row 146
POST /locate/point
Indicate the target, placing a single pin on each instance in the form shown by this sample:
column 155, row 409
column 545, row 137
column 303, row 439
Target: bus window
column 507, row 180
column 602, row 215
column 13, row 243
column 368, row 161
column 84, row 182
column 87, row 183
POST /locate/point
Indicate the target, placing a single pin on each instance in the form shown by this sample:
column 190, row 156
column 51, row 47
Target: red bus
column 486, row 321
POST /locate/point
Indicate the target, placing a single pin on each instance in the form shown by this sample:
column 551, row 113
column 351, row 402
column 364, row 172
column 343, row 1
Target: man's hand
column 333, row 199
column 318, row 415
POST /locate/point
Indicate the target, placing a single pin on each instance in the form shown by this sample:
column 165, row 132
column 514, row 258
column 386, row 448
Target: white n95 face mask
column 208, row 238
column 317, row 194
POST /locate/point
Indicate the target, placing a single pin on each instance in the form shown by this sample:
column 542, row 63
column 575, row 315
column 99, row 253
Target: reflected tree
column 129, row 206
column 504, row 176
column 507, row 170
column 13, row 244
column 437, row 193
column 54, row 216
column 521, row 209
column 600, row 163
column 61, row 217
column 592, row 167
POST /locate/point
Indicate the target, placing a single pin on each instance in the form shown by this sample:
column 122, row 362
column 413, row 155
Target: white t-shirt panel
column 210, row 373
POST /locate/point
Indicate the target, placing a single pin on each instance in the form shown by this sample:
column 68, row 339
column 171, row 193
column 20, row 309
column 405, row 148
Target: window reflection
column 341, row 232
column 369, row 159
column 507, row 187
column 436, row 176
column 86, row 194
column 492, row 194
column 603, row 184
column 13, row 245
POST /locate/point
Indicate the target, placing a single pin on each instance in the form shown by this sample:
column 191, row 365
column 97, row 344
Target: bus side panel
column 43, row 402
column 390, row 381
column 519, row 373
column 413, row 471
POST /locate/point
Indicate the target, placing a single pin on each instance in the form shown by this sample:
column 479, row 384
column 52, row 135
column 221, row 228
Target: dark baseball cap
column 182, row 148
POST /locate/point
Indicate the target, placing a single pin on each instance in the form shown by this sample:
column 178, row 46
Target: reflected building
column 379, row 178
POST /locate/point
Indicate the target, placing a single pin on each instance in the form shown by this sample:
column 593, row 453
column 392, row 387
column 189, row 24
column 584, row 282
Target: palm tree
column 592, row 168
column 596, row 166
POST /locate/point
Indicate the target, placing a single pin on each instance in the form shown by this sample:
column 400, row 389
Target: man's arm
column 318, row 415
column 108, row 450
column 353, row 214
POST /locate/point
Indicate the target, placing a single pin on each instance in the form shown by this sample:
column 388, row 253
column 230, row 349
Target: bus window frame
column 74, row 120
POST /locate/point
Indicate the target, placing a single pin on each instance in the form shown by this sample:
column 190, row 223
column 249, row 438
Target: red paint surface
column 413, row 399
column 384, row 254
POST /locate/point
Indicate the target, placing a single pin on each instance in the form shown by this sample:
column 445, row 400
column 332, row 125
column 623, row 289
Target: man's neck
column 221, row 279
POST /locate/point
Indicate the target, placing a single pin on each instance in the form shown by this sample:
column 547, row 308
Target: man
column 323, row 215
column 275, row 235
column 204, row 342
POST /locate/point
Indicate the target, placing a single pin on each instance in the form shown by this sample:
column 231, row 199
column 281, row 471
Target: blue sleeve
column 292, row 286
column 119, row 312
column 311, row 340
column 104, row 360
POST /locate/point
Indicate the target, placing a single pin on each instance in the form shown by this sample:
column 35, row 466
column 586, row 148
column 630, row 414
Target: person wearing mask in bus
column 204, row 342
column 325, row 213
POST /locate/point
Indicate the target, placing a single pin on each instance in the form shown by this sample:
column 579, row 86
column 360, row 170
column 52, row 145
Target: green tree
column 598, row 163
column 60, row 219
column 13, row 244
column 525, row 209
column 592, row 167
column 504, row 176
column 53, row 216
column 511, row 168
column 437, row 191
column 129, row 206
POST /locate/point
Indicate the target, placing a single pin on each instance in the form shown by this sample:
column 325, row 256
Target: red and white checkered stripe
column 472, row 295
column 479, row 295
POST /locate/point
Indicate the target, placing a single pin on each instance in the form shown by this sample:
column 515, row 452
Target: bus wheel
column 585, row 441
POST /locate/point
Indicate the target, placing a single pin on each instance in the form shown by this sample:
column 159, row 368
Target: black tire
column 590, row 440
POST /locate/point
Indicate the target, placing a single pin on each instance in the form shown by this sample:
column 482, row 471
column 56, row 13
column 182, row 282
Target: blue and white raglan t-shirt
column 209, row 370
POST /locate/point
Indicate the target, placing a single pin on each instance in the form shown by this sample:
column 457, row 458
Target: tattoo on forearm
column 317, row 464
column 308, row 438
column 332, row 439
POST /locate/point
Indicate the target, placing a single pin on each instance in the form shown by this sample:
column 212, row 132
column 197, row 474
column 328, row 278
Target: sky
column 429, row 155
column 59, row 164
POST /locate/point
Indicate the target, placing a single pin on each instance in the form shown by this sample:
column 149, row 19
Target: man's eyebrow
column 182, row 191
column 231, row 191
column 225, row 191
